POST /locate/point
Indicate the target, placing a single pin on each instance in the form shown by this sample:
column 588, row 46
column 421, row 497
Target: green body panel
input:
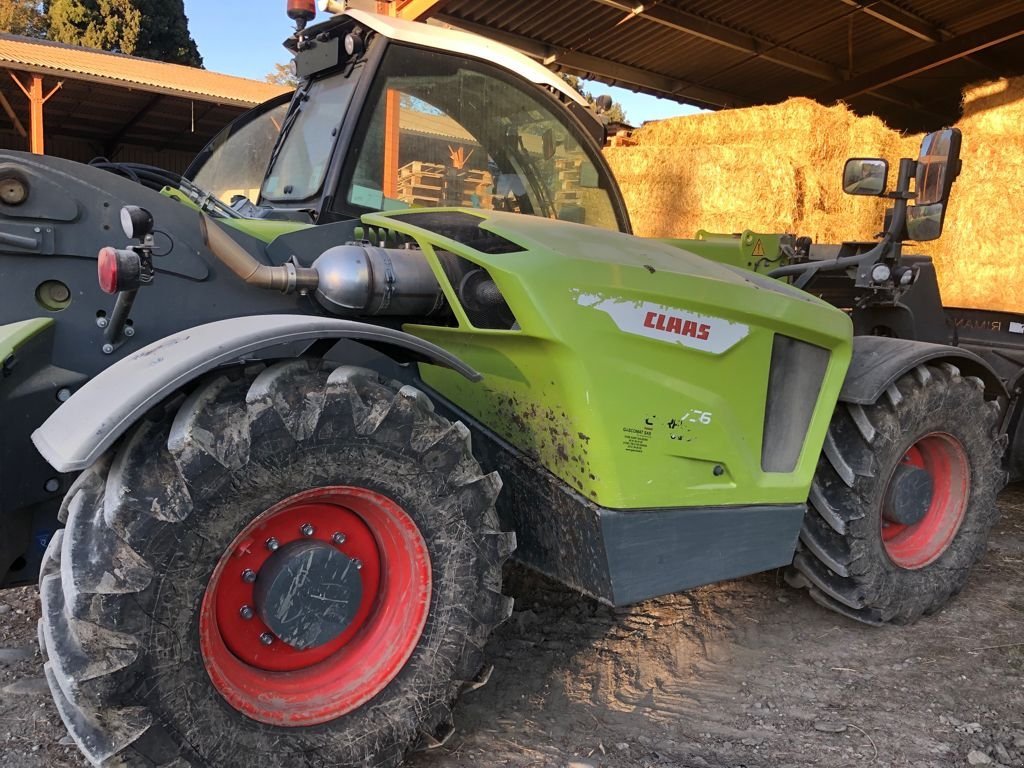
column 755, row 251
column 262, row 229
column 14, row 335
column 630, row 416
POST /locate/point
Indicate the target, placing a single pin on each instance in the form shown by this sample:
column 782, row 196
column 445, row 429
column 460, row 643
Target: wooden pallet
column 426, row 184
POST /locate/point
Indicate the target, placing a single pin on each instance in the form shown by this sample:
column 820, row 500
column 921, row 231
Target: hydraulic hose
column 285, row 278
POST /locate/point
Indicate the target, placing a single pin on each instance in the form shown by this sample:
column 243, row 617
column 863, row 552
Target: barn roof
column 904, row 60
column 110, row 100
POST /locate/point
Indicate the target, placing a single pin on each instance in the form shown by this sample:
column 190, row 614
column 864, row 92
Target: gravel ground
column 744, row 674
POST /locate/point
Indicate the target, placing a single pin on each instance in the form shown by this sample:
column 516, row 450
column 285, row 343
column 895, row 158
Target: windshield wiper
column 207, row 202
column 289, row 122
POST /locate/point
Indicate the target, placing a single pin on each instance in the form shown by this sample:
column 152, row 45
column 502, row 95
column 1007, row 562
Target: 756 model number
column 693, row 416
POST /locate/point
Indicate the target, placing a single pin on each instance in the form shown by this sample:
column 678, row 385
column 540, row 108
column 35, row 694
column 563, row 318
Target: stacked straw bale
column 779, row 169
column 980, row 256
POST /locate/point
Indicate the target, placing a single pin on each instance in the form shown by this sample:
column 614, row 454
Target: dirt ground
column 745, row 674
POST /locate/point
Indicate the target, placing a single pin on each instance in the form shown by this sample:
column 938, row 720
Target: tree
column 283, row 74
column 22, row 17
column 615, row 114
column 154, row 29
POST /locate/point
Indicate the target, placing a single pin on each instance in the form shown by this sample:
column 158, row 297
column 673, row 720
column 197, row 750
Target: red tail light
column 302, row 10
column 106, row 268
column 118, row 270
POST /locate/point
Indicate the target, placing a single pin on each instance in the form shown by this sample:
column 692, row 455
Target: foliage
column 22, row 17
column 283, row 74
column 154, row 29
column 616, row 114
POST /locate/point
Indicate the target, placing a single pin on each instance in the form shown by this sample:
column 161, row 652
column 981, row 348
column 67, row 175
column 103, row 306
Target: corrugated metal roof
column 56, row 58
column 715, row 53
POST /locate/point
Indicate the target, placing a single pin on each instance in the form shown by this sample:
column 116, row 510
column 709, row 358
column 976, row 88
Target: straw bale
column 980, row 257
column 775, row 168
column 779, row 169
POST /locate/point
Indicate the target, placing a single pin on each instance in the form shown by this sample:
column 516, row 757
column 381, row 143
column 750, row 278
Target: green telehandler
column 385, row 331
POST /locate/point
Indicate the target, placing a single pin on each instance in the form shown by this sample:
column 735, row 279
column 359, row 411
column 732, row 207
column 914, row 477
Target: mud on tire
column 842, row 558
column 123, row 583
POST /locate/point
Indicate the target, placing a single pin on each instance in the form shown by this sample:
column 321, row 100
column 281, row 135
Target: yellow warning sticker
column 758, row 249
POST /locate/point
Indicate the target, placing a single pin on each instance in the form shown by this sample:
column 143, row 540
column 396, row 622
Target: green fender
column 13, row 336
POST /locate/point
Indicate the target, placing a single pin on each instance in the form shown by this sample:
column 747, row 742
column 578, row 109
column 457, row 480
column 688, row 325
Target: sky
column 243, row 37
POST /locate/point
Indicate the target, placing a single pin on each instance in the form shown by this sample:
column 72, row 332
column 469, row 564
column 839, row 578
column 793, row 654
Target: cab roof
column 467, row 44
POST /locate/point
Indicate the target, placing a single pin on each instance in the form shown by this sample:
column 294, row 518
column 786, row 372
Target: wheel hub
column 315, row 606
column 926, row 500
column 909, row 496
column 308, row 593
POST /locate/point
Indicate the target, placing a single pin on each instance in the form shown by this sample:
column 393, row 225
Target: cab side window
column 449, row 131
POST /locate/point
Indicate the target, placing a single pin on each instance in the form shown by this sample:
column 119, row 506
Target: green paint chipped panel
column 639, row 371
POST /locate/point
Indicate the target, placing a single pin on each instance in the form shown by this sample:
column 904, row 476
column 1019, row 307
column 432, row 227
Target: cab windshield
column 234, row 162
column 443, row 130
column 297, row 172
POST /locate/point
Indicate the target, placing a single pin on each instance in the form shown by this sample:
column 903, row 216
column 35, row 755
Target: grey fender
column 879, row 360
column 78, row 432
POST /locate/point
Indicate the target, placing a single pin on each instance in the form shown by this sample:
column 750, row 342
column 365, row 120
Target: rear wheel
column 904, row 498
column 298, row 568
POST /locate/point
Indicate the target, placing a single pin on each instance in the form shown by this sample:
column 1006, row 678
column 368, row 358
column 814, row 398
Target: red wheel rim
column 917, row 545
column 281, row 685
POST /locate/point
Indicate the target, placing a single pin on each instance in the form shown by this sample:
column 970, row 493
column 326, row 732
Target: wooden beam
column 139, row 116
column 586, row 65
column 728, row 37
column 935, row 56
column 416, row 10
column 896, row 17
column 13, row 115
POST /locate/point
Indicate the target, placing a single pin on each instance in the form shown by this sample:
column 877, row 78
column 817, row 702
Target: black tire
column 841, row 557
column 122, row 586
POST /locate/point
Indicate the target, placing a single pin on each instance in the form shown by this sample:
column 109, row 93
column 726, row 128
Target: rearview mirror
column 865, row 176
column 938, row 165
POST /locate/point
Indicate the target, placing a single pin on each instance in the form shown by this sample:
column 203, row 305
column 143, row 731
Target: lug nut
column 338, row 538
column 306, row 529
column 246, row 612
column 248, row 575
column 267, row 639
column 359, row 564
column 273, row 544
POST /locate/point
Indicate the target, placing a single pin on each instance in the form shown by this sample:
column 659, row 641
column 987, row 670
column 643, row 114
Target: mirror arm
column 897, row 225
column 863, row 261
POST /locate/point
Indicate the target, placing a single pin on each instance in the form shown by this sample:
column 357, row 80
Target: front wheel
column 297, row 568
column 904, row 498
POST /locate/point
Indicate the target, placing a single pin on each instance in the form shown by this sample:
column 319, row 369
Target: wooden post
column 36, row 100
column 392, row 135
